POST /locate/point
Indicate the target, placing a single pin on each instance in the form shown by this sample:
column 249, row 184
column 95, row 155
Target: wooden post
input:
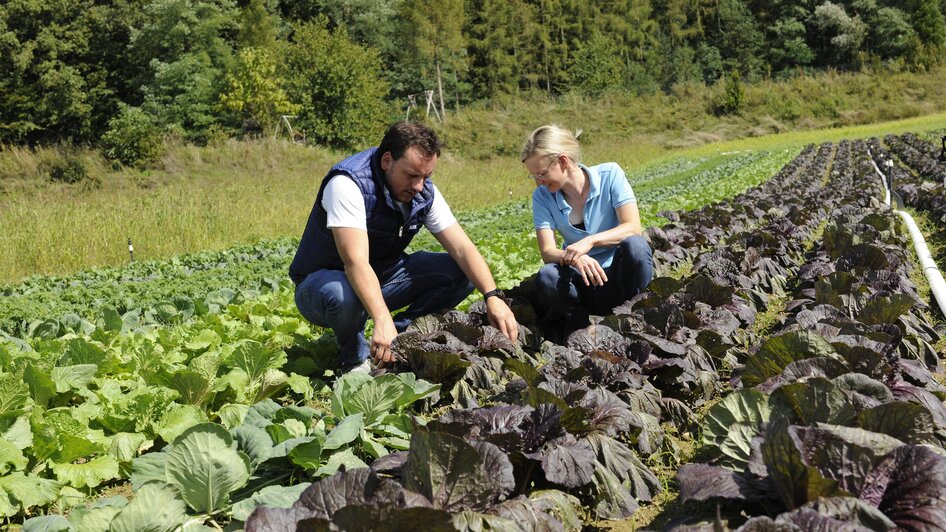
column 443, row 112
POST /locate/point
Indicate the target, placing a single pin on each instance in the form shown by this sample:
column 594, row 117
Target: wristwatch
column 494, row 292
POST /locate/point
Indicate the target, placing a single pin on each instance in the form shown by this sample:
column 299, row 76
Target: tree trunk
column 456, row 86
column 443, row 113
column 456, row 92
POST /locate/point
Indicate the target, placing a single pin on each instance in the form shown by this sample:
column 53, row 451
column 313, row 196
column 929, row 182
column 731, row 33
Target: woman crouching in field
column 605, row 261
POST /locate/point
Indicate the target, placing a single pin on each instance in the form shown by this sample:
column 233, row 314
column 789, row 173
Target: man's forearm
column 365, row 283
column 474, row 266
column 467, row 257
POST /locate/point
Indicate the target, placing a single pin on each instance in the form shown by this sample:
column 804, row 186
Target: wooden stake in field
column 431, row 105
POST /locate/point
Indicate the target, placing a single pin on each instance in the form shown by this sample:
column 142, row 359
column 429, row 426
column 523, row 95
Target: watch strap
column 494, row 292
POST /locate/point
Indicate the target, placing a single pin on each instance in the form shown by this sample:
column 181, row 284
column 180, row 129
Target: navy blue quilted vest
column 388, row 232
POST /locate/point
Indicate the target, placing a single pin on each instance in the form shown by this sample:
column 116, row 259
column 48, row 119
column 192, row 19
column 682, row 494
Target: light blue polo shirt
column 609, row 190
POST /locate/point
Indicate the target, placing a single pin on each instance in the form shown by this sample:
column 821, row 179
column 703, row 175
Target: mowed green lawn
column 214, row 197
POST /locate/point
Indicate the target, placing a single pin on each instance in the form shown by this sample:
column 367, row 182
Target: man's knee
column 451, row 270
column 453, row 275
column 460, row 284
column 326, row 301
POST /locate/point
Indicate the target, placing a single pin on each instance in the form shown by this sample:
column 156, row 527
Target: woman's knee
column 547, row 278
column 636, row 249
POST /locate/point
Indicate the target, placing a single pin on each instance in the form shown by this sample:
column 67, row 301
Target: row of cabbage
column 155, row 292
column 837, row 418
column 723, row 177
column 924, row 157
column 192, row 406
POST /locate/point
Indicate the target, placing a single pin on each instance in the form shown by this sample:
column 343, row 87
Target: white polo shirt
column 345, row 205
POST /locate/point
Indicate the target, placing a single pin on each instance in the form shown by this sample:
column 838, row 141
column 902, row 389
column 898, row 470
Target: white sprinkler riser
column 933, row 275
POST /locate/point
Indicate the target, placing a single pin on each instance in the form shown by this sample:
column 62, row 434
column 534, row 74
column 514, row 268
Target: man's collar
column 379, row 172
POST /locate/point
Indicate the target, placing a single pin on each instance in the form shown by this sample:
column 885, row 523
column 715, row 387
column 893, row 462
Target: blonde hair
column 550, row 140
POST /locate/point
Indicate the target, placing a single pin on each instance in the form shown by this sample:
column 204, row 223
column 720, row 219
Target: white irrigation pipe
column 933, row 275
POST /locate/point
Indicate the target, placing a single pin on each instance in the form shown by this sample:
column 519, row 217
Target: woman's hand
column 577, row 250
column 590, row 270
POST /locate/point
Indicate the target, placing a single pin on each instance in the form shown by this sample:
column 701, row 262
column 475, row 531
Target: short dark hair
column 402, row 135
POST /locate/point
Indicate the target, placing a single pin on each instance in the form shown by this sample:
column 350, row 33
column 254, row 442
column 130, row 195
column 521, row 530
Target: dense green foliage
column 133, row 137
column 255, row 90
column 122, row 398
column 332, row 79
column 205, row 68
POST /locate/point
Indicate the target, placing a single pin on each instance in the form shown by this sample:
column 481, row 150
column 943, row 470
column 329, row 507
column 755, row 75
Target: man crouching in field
column 351, row 262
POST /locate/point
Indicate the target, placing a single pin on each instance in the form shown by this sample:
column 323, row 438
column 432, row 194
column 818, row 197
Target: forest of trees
column 123, row 73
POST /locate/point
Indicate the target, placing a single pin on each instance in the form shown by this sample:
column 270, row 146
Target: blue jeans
column 424, row 282
column 562, row 289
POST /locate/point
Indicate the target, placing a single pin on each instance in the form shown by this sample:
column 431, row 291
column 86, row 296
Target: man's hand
column 590, row 270
column 384, row 333
column 577, row 250
column 501, row 317
column 461, row 248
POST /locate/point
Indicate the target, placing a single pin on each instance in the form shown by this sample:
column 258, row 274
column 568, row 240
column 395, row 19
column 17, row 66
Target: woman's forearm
column 605, row 239
column 553, row 255
column 614, row 236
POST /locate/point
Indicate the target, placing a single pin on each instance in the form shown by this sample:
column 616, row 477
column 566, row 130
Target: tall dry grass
column 200, row 198
column 687, row 116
